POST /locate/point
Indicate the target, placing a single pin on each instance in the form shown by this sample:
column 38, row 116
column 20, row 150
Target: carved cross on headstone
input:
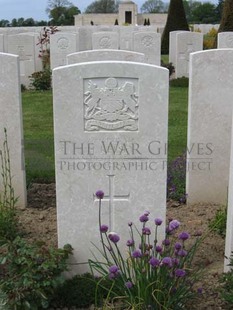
column 112, row 197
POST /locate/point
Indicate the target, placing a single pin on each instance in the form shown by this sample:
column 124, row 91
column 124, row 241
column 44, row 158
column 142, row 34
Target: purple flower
column 183, row 236
column 175, row 261
column 99, row 194
column 103, row 228
column 178, row 245
column 166, row 242
column 143, row 218
column 180, row 273
column 137, row 254
column 154, row 262
column 158, row 248
column 113, row 269
column 182, row 253
column 199, row 290
column 158, row 221
column 167, row 261
column 146, row 213
column 146, row 231
column 130, row 242
column 174, row 224
column 129, row 284
column 113, row 237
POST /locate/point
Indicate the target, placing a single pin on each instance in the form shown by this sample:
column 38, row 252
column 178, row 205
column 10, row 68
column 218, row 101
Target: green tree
column 219, row 9
column 29, row 22
column 102, row 6
column 204, row 13
column 61, row 12
column 4, row 23
column 226, row 23
column 153, row 6
column 176, row 20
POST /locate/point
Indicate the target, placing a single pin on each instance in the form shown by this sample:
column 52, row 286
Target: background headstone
column 148, row 43
column 187, row 42
column 62, row 44
column 102, row 55
column 225, row 39
column 110, row 121
column 209, row 126
column 11, row 119
column 24, row 46
column 105, row 40
column 172, row 46
column 1, row 43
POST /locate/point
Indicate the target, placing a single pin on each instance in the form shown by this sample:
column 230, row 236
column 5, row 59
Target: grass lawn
column 38, row 131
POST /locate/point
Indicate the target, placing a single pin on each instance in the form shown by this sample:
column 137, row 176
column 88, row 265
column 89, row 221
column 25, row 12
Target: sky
column 10, row 9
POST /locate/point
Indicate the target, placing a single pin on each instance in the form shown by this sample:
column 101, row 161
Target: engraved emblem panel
column 147, row 41
column 62, row 43
column 105, row 42
column 111, row 104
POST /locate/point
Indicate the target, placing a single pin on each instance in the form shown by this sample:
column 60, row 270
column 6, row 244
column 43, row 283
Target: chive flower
column 113, row 269
column 99, row 194
column 180, row 273
column 146, row 231
column 158, row 221
column 184, row 236
column 113, row 237
column 167, row 261
column 144, row 218
column 129, row 284
column 158, row 248
column 174, row 224
column 103, row 228
column 130, row 242
column 178, row 245
column 166, row 242
column 136, row 254
column 154, row 262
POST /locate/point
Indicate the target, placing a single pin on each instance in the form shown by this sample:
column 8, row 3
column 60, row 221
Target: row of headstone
column 62, row 44
column 11, row 120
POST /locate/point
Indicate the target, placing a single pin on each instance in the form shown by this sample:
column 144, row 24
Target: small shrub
column 180, row 82
column 169, row 66
column 218, row 224
column 79, row 292
column 154, row 275
column 227, row 281
column 176, row 176
column 210, row 39
column 31, row 272
column 23, row 88
column 41, row 80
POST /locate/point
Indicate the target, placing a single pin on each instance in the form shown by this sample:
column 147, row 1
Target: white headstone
column 187, row 42
column 225, row 39
column 11, row 119
column 209, row 126
column 126, row 37
column 105, row 40
column 1, row 43
column 173, row 45
column 24, row 46
column 102, row 55
column 229, row 224
column 62, row 44
column 110, row 129
column 85, row 37
column 148, row 43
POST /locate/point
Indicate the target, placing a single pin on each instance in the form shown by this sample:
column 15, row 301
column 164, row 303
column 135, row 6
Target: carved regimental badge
column 112, row 105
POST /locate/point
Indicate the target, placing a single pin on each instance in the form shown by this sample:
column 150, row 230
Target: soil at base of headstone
column 39, row 222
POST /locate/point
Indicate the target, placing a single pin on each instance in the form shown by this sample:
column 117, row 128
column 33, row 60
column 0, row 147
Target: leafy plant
column 218, row 224
column 176, row 174
column 169, row 66
column 41, row 80
column 227, row 284
column 8, row 220
column 31, row 272
column 154, row 275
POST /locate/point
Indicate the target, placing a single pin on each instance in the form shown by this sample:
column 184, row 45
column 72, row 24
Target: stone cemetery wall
column 11, row 119
column 110, row 123
column 186, row 43
column 209, row 126
column 225, row 39
column 62, row 44
column 102, row 55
